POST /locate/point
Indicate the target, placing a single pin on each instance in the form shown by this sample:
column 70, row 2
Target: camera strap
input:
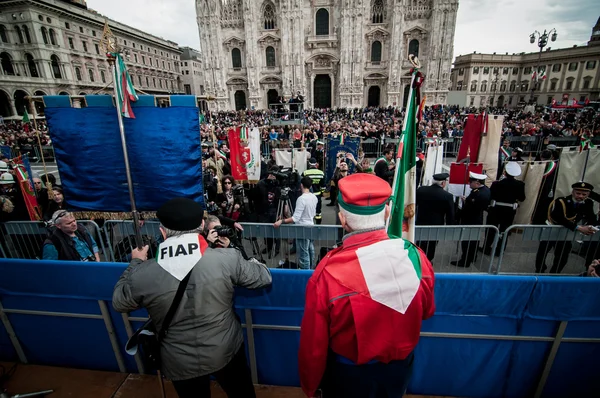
column 174, row 305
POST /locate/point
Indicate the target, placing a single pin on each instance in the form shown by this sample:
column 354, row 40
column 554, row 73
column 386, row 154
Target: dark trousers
column 469, row 250
column 428, row 246
column 501, row 218
column 378, row 380
column 318, row 216
column 561, row 255
column 234, row 378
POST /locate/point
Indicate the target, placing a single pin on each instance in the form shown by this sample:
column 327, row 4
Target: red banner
column 469, row 147
column 238, row 153
column 459, row 173
column 35, row 213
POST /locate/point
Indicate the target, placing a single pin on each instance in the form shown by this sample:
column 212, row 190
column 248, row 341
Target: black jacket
column 382, row 171
column 475, row 204
column 563, row 211
column 434, row 206
column 508, row 190
column 66, row 247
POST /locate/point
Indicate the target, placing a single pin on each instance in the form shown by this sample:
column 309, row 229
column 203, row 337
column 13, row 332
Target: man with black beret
column 575, row 212
column 435, row 206
column 204, row 337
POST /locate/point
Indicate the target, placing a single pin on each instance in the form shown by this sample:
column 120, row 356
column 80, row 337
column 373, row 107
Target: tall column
column 253, row 54
column 286, row 47
column 395, row 61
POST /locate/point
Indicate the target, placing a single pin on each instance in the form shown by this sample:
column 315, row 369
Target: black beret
column 441, row 176
column 583, row 186
column 180, row 214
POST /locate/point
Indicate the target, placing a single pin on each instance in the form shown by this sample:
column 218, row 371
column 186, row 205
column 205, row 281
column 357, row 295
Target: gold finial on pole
column 108, row 42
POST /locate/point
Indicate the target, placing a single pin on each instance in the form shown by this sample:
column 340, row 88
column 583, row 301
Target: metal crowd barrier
column 455, row 242
column 25, row 239
column 523, row 247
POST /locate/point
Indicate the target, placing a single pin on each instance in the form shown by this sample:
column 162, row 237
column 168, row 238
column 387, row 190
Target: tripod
column 284, row 203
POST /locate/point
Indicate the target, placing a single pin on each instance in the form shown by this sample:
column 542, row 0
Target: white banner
column 253, row 167
column 490, row 147
column 283, row 157
column 433, row 163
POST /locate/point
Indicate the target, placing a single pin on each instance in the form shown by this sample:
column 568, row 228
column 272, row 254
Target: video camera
column 287, row 177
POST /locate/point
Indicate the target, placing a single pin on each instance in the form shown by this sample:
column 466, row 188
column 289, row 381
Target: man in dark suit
column 575, row 212
column 435, row 206
column 472, row 214
column 505, row 195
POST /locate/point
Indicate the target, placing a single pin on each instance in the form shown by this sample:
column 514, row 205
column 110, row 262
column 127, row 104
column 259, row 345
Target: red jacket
column 340, row 315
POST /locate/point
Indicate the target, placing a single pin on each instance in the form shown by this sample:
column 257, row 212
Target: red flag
column 238, row 149
column 35, row 213
column 469, row 146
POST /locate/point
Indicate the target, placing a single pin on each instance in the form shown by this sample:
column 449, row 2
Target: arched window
column 474, row 85
column 413, row 47
column 78, row 74
column 513, row 85
column 378, row 11
column 270, row 53
column 140, row 80
column 33, row 72
column 3, row 35
column 53, row 37
column 55, row 67
column 503, row 85
column 91, row 74
column 484, row 86
column 322, row 22
column 376, row 51
column 26, row 34
column 236, row 58
column 102, row 76
column 270, row 20
column 19, row 34
column 45, row 35
column 7, row 66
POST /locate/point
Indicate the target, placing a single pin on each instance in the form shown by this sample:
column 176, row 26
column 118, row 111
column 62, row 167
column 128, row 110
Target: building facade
column 51, row 47
column 506, row 80
column 336, row 53
column 192, row 73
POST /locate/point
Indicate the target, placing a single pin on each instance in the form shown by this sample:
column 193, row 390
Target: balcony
column 322, row 41
column 377, row 65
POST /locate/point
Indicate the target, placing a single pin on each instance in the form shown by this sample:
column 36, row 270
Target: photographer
column 69, row 241
column 267, row 203
column 204, row 337
column 306, row 208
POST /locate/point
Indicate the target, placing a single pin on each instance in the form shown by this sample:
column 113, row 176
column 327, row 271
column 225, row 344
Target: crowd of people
column 22, row 136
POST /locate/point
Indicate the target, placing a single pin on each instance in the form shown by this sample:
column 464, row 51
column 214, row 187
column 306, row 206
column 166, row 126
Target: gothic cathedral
column 335, row 53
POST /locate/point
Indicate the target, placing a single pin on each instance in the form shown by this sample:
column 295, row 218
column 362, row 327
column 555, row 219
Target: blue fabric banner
column 334, row 148
column 5, row 151
column 163, row 146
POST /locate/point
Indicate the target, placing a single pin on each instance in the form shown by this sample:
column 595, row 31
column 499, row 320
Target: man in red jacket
column 364, row 303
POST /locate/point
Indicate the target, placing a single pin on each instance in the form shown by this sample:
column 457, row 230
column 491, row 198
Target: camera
column 225, row 232
column 287, row 177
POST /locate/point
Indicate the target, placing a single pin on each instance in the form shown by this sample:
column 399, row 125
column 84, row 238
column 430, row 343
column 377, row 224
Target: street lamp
column 542, row 41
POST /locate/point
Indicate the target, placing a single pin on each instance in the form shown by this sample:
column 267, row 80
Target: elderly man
column 70, row 241
column 575, row 212
column 364, row 302
column 204, row 336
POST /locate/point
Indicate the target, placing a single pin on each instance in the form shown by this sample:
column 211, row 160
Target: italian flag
column 124, row 89
column 402, row 217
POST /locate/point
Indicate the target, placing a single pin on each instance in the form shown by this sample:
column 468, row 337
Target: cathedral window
column 376, row 52
column 322, row 22
column 231, row 13
column 270, row 20
column 236, row 58
column 270, row 54
column 413, row 47
column 378, row 11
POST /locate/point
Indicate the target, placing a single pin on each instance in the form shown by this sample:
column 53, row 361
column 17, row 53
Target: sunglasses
column 227, row 182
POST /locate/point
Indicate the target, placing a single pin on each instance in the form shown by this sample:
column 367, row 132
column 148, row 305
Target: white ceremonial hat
column 513, row 169
column 477, row 176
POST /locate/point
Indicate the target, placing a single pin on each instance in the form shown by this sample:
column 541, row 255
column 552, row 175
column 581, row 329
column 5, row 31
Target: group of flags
column 539, row 74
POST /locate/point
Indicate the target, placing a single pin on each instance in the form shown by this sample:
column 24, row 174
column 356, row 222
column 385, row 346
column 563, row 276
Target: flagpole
column 136, row 218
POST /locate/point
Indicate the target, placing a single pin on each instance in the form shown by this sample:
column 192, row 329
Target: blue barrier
column 492, row 336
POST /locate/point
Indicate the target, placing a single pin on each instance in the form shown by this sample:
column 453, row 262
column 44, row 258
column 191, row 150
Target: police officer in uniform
column 505, row 195
column 472, row 214
column 318, row 154
column 575, row 212
column 318, row 185
column 358, row 337
column 435, row 206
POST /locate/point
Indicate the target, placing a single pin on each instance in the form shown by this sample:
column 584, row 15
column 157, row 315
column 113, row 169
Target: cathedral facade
column 336, row 53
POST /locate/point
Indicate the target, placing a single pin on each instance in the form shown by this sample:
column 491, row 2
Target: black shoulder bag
column 146, row 340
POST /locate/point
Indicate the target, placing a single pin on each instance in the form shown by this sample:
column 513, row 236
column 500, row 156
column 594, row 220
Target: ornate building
column 50, row 47
column 337, row 53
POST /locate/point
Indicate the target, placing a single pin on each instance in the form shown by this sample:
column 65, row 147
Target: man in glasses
column 69, row 242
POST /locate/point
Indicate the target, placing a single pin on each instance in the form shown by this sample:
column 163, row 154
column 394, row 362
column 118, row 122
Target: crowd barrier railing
column 528, row 249
column 518, row 330
column 25, row 239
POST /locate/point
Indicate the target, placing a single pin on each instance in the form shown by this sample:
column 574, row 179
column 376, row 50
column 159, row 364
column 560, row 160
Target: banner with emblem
column 23, row 176
column 336, row 148
column 244, row 155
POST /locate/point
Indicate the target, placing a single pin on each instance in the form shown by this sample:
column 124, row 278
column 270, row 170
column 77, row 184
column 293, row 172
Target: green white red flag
column 125, row 92
column 402, row 217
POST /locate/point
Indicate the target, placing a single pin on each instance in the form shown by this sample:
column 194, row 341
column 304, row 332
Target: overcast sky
column 482, row 25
